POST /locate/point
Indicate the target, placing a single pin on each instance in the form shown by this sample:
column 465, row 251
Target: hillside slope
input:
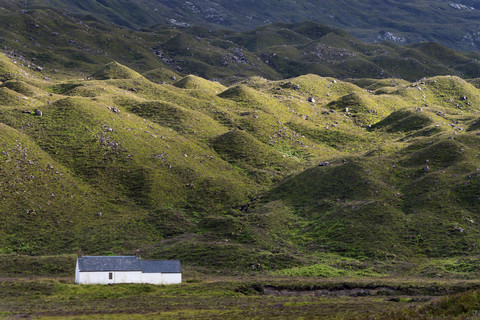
column 454, row 24
column 64, row 45
column 229, row 176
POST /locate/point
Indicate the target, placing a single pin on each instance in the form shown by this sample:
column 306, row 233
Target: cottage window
column 110, row 275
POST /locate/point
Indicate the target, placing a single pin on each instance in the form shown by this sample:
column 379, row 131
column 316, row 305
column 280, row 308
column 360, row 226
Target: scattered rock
column 426, row 169
column 323, row 164
column 38, row 112
column 311, row 99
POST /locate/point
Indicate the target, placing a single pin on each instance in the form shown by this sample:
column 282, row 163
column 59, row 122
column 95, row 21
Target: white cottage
column 126, row 269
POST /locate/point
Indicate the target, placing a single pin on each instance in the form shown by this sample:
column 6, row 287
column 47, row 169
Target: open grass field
column 43, row 288
column 238, row 297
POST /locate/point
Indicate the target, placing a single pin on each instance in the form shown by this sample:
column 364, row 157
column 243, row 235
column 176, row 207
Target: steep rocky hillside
column 452, row 23
column 272, row 174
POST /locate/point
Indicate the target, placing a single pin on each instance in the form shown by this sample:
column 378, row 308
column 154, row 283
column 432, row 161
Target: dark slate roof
column 164, row 266
column 127, row 263
column 118, row 263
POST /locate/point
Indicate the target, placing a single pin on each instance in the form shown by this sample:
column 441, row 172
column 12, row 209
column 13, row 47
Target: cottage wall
column 104, row 277
column 162, row 278
column 127, row 277
column 171, row 278
column 153, row 278
column 77, row 273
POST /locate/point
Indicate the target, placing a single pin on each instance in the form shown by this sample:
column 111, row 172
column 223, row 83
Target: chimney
column 79, row 253
column 137, row 254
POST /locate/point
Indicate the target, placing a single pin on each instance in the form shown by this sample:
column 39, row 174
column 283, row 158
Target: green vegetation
column 459, row 306
column 246, row 166
column 229, row 176
column 452, row 24
column 114, row 70
column 233, row 298
column 62, row 45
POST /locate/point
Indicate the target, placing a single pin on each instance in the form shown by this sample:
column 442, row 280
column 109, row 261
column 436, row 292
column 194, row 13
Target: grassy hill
column 274, row 174
column 61, row 44
column 450, row 23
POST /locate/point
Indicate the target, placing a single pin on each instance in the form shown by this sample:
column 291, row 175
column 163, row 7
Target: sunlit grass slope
column 273, row 174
